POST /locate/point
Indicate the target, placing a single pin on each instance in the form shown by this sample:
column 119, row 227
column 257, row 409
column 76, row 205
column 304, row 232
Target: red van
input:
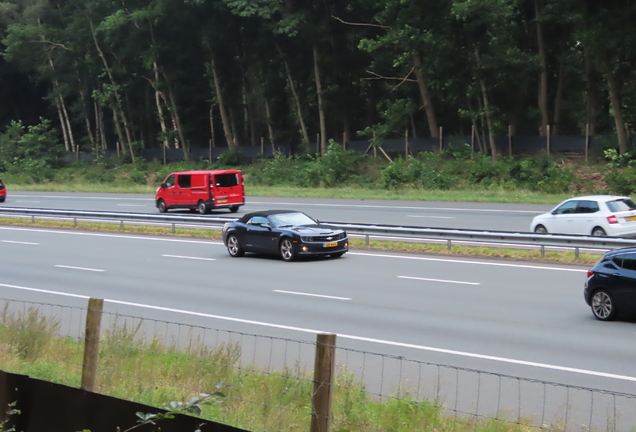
column 3, row 192
column 202, row 191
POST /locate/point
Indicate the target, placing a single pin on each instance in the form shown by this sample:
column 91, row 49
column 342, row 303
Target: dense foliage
column 148, row 73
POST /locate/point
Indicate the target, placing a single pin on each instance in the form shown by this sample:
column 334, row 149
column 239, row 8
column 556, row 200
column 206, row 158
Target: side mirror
column 163, row 186
column 266, row 225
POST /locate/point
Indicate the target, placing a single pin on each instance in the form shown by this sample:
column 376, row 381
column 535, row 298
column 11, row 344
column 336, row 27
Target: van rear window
column 226, row 180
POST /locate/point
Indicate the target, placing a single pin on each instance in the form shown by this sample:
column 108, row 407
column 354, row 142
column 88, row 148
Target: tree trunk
column 543, row 77
column 67, row 121
column 491, row 135
column 612, row 84
column 177, row 119
column 162, row 120
column 123, row 140
column 229, row 136
column 270, row 130
column 591, row 100
column 558, row 100
column 299, row 112
column 426, row 99
column 58, row 105
column 321, row 110
column 89, row 129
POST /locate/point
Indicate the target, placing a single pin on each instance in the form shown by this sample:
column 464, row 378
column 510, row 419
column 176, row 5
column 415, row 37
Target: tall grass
column 149, row 370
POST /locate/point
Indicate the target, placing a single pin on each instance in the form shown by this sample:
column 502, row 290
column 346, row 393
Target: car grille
column 325, row 238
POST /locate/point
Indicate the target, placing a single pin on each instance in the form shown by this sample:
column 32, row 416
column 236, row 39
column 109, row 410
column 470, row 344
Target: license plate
column 221, row 200
column 631, row 218
column 332, row 244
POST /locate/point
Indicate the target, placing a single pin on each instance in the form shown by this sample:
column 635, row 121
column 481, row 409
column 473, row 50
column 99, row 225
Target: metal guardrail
column 575, row 242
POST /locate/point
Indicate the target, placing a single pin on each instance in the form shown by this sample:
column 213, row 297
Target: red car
column 3, row 192
column 202, row 191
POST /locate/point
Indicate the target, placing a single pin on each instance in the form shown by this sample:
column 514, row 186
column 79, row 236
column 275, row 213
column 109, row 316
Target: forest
column 134, row 74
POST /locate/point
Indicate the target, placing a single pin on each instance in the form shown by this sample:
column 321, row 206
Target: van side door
column 184, row 190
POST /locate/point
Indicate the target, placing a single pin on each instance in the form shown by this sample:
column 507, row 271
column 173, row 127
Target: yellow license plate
column 332, row 244
column 221, row 200
column 631, row 218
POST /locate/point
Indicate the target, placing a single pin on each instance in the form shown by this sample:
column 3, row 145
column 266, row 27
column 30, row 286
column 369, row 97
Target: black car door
column 258, row 234
column 624, row 282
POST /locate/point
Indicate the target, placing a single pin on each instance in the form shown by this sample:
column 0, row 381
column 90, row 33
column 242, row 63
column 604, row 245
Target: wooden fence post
column 324, row 370
column 472, row 141
column 587, row 139
column 441, row 137
column 510, row 140
column 91, row 343
column 406, row 144
column 548, row 140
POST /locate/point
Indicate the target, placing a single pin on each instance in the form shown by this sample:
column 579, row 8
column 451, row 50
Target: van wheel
column 161, row 205
column 203, row 208
column 234, row 209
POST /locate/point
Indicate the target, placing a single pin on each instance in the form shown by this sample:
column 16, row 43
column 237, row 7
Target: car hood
column 315, row 230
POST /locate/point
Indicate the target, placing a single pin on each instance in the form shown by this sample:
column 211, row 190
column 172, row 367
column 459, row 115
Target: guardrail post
column 576, row 253
column 323, row 382
column 173, row 227
column 448, row 243
column 91, row 343
column 366, row 239
column 542, row 250
column 121, row 224
column 32, row 218
column 74, row 221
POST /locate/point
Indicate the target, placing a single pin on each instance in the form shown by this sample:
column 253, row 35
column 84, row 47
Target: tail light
column 612, row 219
column 589, row 273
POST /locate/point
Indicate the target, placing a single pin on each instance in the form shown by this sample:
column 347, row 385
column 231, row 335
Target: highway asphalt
column 502, row 317
column 480, row 216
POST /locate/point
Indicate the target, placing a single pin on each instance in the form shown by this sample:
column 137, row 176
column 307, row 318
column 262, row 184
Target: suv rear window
column 226, row 180
column 621, row 205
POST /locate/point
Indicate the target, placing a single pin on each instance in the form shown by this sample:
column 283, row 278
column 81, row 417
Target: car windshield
column 621, row 205
column 289, row 219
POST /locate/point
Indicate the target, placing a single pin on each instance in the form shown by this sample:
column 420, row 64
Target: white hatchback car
column 597, row 215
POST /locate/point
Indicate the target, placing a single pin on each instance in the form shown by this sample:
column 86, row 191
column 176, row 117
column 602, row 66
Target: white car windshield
column 289, row 219
column 621, row 205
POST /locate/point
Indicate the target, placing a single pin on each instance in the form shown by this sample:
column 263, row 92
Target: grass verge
column 376, row 245
column 142, row 368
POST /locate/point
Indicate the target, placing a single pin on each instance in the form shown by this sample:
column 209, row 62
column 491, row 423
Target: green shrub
column 231, row 158
column 621, row 181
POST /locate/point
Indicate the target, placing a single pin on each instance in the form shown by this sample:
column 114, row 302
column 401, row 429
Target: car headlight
column 304, row 239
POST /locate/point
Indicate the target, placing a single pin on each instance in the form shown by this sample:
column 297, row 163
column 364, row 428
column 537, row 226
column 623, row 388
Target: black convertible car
column 288, row 233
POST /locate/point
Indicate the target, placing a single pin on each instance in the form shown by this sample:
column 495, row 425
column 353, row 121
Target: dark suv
column 610, row 287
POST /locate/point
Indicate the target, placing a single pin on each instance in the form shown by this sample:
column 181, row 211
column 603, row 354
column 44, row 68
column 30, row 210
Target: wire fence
column 268, row 381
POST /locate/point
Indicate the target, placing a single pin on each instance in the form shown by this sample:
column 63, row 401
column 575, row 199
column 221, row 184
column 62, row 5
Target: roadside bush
column 231, row 158
column 336, row 168
column 278, row 171
column 621, row 181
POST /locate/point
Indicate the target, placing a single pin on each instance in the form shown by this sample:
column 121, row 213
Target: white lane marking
column 352, row 337
column 131, row 205
column 79, row 233
column 431, row 217
column 468, row 262
column 19, row 242
column 82, row 197
column 44, row 291
column 79, row 268
column 439, row 280
column 391, row 207
column 28, row 201
column 311, row 295
column 187, row 257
